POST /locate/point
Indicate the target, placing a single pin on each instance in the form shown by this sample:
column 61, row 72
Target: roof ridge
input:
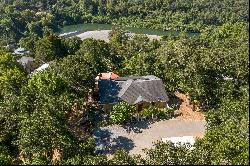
column 125, row 88
column 145, row 91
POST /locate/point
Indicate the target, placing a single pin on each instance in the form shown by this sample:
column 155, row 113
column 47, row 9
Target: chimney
column 110, row 74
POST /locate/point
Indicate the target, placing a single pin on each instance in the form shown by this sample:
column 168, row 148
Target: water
column 80, row 28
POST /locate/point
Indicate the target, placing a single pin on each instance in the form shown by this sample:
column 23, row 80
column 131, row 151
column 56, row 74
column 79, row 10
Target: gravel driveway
column 140, row 135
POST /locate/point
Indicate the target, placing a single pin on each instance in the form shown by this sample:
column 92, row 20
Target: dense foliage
column 153, row 111
column 20, row 18
column 122, row 112
column 39, row 112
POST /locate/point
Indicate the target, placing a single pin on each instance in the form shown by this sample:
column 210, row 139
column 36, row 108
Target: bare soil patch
column 187, row 110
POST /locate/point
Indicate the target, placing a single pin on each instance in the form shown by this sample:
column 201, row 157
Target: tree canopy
column 40, row 112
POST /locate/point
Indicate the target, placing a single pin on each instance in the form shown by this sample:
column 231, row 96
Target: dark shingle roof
column 132, row 90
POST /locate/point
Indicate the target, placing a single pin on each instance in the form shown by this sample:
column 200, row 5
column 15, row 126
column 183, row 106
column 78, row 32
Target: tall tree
column 49, row 48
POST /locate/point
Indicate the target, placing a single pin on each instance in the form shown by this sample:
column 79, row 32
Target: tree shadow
column 102, row 133
column 121, row 143
column 107, row 143
column 137, row 127
column 102, row 139
column 174, row 101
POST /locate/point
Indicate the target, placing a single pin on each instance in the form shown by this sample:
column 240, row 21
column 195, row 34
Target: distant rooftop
column 41, row 68
column 25, row 59
column 20, row 51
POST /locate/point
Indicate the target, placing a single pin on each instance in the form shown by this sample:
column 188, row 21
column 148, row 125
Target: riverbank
column 103, row 35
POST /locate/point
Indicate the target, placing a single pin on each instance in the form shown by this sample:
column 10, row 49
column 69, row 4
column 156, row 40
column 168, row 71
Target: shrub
column 160, row 113
column 121, row 112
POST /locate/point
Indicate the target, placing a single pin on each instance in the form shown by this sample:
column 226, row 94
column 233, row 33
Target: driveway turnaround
column 135, row 137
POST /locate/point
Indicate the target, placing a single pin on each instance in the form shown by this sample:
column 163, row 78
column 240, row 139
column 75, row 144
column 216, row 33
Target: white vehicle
column 188, row 140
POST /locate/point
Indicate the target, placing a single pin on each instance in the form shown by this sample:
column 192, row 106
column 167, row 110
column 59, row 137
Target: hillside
column 53, row 98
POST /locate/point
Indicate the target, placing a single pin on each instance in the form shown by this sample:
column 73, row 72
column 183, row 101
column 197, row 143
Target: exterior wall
column 90, row 95
column 160, row 104
column 157, row 104
column 107, row 107
column 145, row 105
column 30, row 66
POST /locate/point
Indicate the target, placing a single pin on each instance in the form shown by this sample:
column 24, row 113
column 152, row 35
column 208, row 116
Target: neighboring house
column 140, row 91
column 28, row 63
column 20, row 51
column 9, row 46
column 41, row 68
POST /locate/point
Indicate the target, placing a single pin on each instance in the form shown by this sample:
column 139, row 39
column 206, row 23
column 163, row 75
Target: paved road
column 136, row 137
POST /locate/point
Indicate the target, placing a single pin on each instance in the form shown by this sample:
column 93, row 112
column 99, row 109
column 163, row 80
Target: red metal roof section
column 107, row 76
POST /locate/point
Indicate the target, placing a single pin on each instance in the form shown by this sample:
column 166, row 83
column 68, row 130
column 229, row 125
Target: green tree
column 29, row 42
column 98, row 52
column 49, row 48
column 117, row 37
column 227, row 133
column 47, row 96
column 72, row 44
column 121, row 157
column 12, row 78
column 5, row 158
column 167, row 154
column 81, row 69
column 36, row 28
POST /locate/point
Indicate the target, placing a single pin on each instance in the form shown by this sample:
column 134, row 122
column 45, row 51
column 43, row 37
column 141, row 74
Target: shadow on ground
column 107, row 143
column 122, row 142
column 137, row 127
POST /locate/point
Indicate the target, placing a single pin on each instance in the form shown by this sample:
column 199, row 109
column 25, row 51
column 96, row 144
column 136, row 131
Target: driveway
column 135, row 137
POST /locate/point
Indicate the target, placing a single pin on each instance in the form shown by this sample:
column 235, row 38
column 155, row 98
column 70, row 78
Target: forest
column 20, row 18
column 211, row 68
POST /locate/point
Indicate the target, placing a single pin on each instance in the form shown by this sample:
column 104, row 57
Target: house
column 28, row 63
column 20, row 51
column 9, row 46
column 141, row 91
column 41, row 68
column 93, row 95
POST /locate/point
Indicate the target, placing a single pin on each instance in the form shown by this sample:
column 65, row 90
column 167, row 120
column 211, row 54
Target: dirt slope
column 187, row 110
